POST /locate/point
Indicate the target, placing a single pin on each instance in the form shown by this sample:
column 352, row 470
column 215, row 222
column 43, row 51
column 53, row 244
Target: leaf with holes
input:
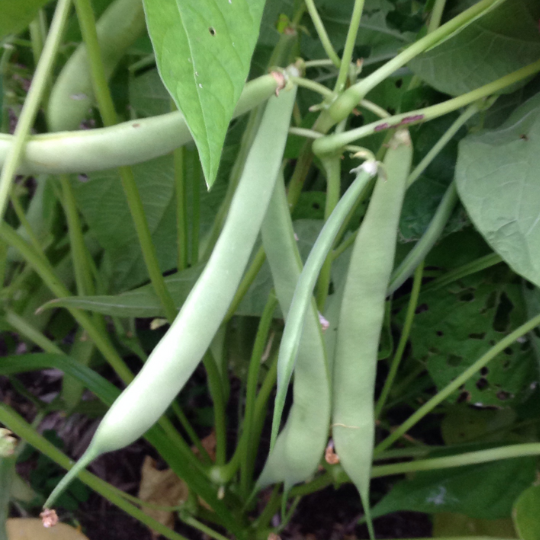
column 497, row 180
column 203, row 52
column 456, row 325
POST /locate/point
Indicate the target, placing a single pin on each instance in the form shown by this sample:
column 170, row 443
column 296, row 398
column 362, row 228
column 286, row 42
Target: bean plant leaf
column 503, row 40
column 497, row 180
column 457, row 324
column 203, row 50
column 485, row 491
column 16, row 15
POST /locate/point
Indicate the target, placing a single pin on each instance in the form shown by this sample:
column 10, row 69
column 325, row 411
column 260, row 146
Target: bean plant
column 320, row 217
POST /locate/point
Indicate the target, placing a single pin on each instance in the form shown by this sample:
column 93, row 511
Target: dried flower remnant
column 48, row 518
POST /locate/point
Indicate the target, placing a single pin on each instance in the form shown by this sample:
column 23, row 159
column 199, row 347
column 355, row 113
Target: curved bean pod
column 72, row 95
column 128, row 143
column 301, row 443
column 361, row 319
column 179, row 352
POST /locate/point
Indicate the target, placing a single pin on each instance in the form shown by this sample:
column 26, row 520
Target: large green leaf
column 485, row 491
column 497, row 176
column 506, row 38
column 17, row 14
column 203, row 51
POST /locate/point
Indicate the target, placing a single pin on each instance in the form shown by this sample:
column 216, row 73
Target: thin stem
column 332, row 143
column 191, row 432
column 457, row 382
column 349, row 45
column 462, row 271
column 247, row 281
column 47, row 274
column 436, row 15
column 21, row 216
column 314, row 86
column 33, row 99
column 303, row 132
column 350, row 98
column 191, row 521
column 411, row 309
column 321, row 32
column 16, row 424
column 425, row 244
column 442, row 142
column 461, row 460
column 332, row 166
column 23, row 328
column 83, row 272
column 220, row 420
column 196, row 207
column 325, row 62
column 181, row 208
column 246, row 471
column 106, row 106
column 374, row 108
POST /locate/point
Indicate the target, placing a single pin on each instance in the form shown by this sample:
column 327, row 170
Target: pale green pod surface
column 180, row 350
column 301, row 443
column 361, row 318
column 72, row 95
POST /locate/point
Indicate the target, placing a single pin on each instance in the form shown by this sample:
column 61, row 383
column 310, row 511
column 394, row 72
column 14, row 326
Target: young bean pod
column 72, row 95
column 179, row 352
column 361, row 318
column 301, row 443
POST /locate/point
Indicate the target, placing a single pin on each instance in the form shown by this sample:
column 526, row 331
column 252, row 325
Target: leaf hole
column 467, row 296
column 484, row 371
column 490, row 302
column 508, row 351
column 501, row 321
column 399, row 83
column 212, row 31
column 482, row 384
column 464, row 396
column 536, row 332
column 440, row 333
column 503, row 396
column 421, row 308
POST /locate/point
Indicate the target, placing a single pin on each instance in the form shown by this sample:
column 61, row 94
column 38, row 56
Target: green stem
column 21, row 216
column 191, row 521
column 33, row 99
column 220, row 421
column 318, row 63
column 332, row 143
column 411, row 309
column 83, row 272
column 106, row 106
column 246, row 466
column 321, row 32
column 442, row 142
column 247, row 281
column 461, row 460
column 457, row 382
column 196, row 207
column 16, row 424
column 349, row 45
column 191, row 432
column 436, row 15
column 314, row 86
column 462, row 271
column 47, row 274
column 426, row 243
column 343, row 106
column 332, row 166
column 23, row 328
column 181, row 208
column 374, row 108
column 303, row 132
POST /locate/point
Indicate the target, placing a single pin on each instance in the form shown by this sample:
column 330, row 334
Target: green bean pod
column 300, row 445
column 361, row 318
column 179, row 352
column 72, row 95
